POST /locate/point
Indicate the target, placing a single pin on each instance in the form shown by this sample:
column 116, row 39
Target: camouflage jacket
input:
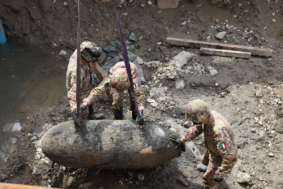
column 71, row 79
column 105, row 84
column 219, row 140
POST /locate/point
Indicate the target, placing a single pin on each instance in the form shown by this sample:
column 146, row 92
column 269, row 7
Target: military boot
column 212, row 187
column 201, row 167
column 92, row 115
column 118, row 116
column 134, row 115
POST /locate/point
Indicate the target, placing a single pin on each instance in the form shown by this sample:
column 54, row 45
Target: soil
column 246, row 91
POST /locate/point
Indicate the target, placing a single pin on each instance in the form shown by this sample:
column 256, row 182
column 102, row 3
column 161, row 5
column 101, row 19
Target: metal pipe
column 2, row 34
column 18, row 186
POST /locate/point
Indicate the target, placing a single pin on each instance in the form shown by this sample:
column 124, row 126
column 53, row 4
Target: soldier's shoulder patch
column 75, row 78
column 135, row 86
column 223, row 145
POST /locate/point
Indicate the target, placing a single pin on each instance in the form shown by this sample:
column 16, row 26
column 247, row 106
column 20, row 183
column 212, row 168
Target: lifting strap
column 126, row 58
column 78, row 89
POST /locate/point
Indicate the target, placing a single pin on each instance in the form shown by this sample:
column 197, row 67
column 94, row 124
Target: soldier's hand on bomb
column 76, row 115
column 76, row 118
column 139, row 119
column 177, row 140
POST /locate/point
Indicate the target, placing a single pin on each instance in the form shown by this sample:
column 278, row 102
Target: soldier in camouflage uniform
column 221, row 151
column 89, row 54
column 117, row 80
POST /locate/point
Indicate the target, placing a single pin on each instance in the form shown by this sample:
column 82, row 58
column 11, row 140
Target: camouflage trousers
column 212, row 163
column 117, row 104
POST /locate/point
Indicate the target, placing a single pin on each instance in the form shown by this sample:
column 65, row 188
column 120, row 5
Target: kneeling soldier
column 118, row 82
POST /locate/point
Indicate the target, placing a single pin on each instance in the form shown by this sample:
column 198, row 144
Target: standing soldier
column 118, row 81
column 90, row 52
column 221, row 152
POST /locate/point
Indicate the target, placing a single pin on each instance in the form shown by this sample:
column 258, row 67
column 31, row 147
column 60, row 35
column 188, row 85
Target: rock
column 65, row 3
column 221, row 35
column 187, row 124
column 184, row 23
column 101, row 148
column 139, row 60
column 159, row 43
column 152, row 102
column 140, row 176
column 243, row 178
column 271, row 154
column 182, row 58
column 62, row 53
column 213, row 72
column 273, row 20
column 180, row 84
column 71, row 182
column 153, row 64
column 259, row 94
column 216, row 84
column 142, row 5
column 3, row 177
column 132, row 37
column 183, row 180
column 201, row 167
column 220, row 29
column 149, row 2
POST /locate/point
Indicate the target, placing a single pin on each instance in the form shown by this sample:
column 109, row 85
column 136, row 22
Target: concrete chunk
column 108, row 144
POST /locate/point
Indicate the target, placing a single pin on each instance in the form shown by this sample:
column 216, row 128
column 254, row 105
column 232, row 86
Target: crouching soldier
column 90, row 52
column 221, row 151
column 118, row 81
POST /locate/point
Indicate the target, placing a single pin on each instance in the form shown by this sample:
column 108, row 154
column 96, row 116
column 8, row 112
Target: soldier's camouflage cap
column 197, row 111
column 90, row 51
column 120, row 79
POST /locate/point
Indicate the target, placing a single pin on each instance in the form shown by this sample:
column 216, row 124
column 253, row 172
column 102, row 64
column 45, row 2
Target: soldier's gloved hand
column 76, row 118
column 217, row 179
column 140, row 119
column 82, row 108
column 176, row 140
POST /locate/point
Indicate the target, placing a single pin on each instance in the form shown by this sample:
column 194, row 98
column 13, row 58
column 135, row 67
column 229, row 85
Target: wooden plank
column 100, row 75
column 222, row 52
column 197, row 44
column 18, row 186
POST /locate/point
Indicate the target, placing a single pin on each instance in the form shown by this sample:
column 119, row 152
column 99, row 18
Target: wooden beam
column 222, row 52
column 197, row 44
